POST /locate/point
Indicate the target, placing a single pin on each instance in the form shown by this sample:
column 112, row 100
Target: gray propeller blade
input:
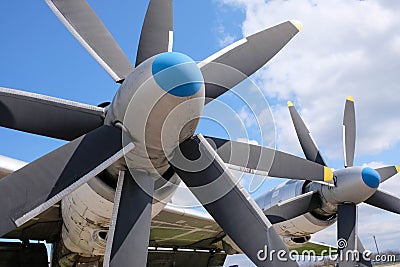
column 293, row 207
column 347, row 235
column 80, row 19
column 157, row 30
column 307, row 143
column 364, row 258
column 228, row 67
column 47, row 116
column 226, row 200
column 384, row 200
column 36, row 187
column 349, row 132
column 128, row 237
column 268, row 162
column 388, row 172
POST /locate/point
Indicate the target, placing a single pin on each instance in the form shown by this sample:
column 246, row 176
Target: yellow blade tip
column 328, row 174
column 397, row 168
column 350, row 98
column 290, row 104
column 297, row 24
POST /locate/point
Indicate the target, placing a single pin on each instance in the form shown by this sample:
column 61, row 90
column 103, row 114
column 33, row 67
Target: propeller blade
column 268, row 162
column 157, row 31
column 36, row 187
column 203, row 171
column 293, row 207
column 347, row 234
column 307, row 143
column 80, row 19
column 388, row 172
column 364, row 259
column 128, row 237
column 47, row 116
column 233, row 64
column 349, row 132
column 384, row 200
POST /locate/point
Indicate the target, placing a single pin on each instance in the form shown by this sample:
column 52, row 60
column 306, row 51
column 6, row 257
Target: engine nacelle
column 300, row 226
column 159, row 104
column 87, row 213
column 282, row 192
column 296, row 242
column 354, row 184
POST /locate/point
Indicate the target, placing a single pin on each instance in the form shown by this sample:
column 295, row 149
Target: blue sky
column 345, row 48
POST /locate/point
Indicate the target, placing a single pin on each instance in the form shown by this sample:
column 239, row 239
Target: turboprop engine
column 167, row 90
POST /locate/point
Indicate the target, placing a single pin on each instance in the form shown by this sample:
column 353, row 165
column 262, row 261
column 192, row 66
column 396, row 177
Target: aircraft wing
column 191, row 233
column 188, row 228
column 185, row 228
column 173, row 227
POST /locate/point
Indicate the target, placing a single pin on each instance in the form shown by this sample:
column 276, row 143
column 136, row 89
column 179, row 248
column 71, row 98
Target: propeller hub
column 371, row 177
column 177, row 74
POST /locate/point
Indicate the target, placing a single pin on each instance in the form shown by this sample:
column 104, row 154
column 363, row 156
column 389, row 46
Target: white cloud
column 184, row 198
column 345, row 48
column 246, row 140
column 247, row 117
column 374, row 164
column 224, row 38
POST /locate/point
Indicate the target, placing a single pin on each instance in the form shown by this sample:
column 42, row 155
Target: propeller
column 130, row 231
column 40, row 111
column 80, row 19
column 388, row 172
column 233, row 64
column 385, row 200
column 226, row 200
column 342, row 194
column 45, row 181
column 349, row 132
column 268, row 162
column 347, row 234
column 307, row 143
column 157, row 32
column 96, row 144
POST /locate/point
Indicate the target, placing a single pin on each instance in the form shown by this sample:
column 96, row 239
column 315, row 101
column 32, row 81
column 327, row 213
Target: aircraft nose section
column 371, row 177
column 177, row 74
